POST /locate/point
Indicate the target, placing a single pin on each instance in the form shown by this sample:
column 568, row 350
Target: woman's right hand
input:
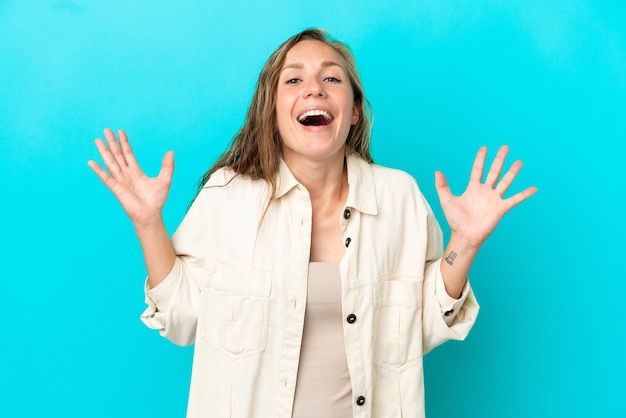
column 142, row 197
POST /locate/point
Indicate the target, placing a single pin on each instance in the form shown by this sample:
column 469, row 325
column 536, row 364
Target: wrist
column 461, row 244
column 455, row 264
column 149, row 226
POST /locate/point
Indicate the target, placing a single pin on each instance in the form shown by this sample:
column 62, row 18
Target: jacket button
column 348, row 241
column 360, row 400
column 346, row 214
column 448, row 313
column 351, row 318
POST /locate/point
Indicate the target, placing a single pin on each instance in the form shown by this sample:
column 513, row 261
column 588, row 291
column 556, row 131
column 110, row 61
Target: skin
column 313, row 76
column 141, row 197
column 474, row 215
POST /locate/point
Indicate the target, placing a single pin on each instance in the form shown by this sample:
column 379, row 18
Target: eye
column 292, row 81
column 332, row 80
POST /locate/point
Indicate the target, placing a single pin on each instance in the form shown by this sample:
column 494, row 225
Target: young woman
column 310, row 280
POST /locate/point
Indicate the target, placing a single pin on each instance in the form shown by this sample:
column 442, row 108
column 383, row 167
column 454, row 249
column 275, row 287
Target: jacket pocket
column 398, row 324
column 235, row 310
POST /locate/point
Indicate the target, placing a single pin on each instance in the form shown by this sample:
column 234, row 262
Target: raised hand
column 474, row 215
column 142, row 197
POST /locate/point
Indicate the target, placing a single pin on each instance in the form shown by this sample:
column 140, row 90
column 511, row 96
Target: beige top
column 323, row 387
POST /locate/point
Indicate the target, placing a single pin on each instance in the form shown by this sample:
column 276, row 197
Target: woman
column 310, row 280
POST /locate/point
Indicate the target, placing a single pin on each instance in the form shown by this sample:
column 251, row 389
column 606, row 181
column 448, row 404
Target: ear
column 356, row 114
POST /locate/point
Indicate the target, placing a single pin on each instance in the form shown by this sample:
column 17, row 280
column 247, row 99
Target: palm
column 476, row 213
column 142, row 197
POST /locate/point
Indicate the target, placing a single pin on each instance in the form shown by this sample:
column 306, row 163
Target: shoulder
column 381, row 175
column 398, row 188
column 378, row 188
column 226, row 178
column 220, row 178
column 226, row 186
column 392, row 177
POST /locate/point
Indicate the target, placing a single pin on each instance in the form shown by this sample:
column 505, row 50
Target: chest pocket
column 235, row 310
column 398, row 324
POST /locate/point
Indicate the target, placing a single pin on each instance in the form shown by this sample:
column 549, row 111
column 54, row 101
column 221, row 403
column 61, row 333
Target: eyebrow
column 299, row 66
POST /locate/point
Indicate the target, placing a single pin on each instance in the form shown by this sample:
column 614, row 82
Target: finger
column 518, row 198
column 479, row 164
column 127, row 151
column 167, row 167
column 104, row 177
column 442, row 187
column 508, row 178
column 496, row 167
column 114, row 148
column 109, row 161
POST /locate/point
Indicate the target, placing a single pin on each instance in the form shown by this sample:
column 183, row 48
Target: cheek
column 280, row 109
column 283, row 118
column 284, row 104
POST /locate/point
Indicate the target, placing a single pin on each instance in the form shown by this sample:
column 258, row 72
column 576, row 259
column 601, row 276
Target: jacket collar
column 362, row 190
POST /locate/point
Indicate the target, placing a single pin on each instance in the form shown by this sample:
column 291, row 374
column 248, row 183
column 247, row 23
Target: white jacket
column 238, row 292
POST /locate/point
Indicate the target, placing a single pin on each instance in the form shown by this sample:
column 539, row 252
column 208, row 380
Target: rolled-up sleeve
column 449, row 306
column 174, row 304
column 443, row 317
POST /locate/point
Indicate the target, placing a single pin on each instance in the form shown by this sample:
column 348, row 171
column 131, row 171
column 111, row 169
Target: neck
column 324, row 179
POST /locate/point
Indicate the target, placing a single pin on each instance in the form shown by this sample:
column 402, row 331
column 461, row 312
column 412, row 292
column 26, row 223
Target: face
column 315, row 103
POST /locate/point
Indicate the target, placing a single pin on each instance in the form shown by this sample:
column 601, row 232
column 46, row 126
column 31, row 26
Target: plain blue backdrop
column 444, row 77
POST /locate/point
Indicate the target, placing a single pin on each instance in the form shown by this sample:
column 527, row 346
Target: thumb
column 167, row 166
column 442, row 187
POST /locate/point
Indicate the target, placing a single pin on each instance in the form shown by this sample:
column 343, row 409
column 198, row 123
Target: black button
column 351, row 318
column 448, row 313
column 348, row 241
column 346, row 214
column 360, row 400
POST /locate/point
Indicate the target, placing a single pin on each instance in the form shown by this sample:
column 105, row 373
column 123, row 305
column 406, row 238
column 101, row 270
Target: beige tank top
column 323, row 387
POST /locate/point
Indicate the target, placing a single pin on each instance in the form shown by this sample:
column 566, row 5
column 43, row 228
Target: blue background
column 444, row 77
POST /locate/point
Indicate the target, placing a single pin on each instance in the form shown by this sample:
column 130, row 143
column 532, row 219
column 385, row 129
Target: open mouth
column 315, row 117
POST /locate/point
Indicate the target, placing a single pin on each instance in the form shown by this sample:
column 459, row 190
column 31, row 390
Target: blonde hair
column 256, row 149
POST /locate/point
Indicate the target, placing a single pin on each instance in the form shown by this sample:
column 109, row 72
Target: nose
column 314, row 89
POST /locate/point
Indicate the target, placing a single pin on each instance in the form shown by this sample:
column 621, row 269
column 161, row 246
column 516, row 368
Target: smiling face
column 315, row 103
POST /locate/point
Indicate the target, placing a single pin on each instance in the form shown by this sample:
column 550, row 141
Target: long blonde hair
column 256, row 149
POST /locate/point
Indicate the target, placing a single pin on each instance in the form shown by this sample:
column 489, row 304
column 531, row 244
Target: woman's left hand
column 474, row 215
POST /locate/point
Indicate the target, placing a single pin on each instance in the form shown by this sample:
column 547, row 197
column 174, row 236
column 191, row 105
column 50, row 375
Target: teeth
column 315, row 112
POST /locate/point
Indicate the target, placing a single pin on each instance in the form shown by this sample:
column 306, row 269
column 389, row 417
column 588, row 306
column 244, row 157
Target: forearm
column 456, row 263
column 158, row 252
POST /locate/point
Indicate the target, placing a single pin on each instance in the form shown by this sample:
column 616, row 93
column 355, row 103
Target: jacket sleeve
column 443, row 317
column 174, row 304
